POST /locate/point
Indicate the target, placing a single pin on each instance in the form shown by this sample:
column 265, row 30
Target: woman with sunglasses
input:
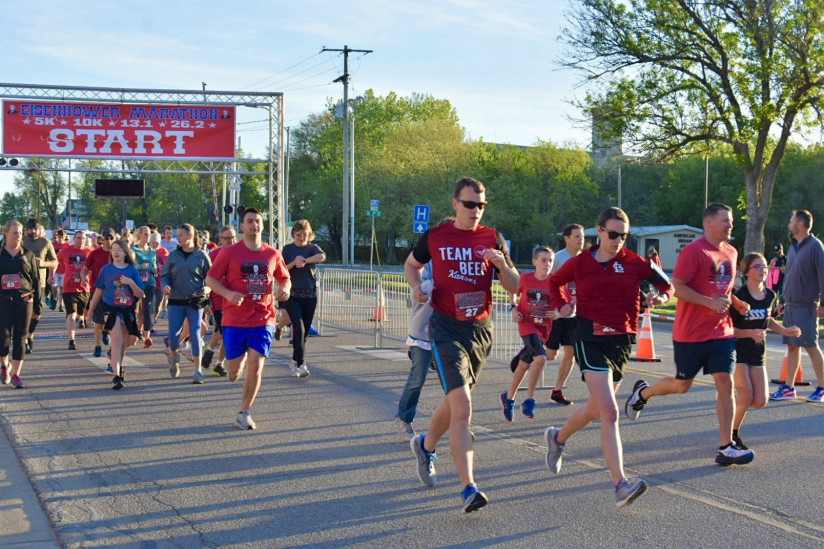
column 607, row 280
column 118, row 287
column 19, row 300
column 750, row 375
column 184, row 282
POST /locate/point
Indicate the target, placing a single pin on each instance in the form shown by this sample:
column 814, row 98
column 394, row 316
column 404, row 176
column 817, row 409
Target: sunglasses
column 470, row 205
column 614, row 234
column 758, row 267
column 109, row 237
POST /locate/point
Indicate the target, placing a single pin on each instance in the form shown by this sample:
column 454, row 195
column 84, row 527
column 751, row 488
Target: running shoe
column 60, row 309
column 117, row 383
column 147, row 343
column 198, row 379
column 785, row 392
column 293, row 368
column 733, row 455
column 105, row 337
column 405, row 430
column 628, row 490
column 51, row 303
column 98, row 352
column 426, row 461
column 81, row 323
column 513, row 364
column 187, row 352
column 528, row 408
column 244, row 421
column 817, row 396
column 278, row 331
column 16, row 383
column 29, row 345
column 110, row 369
column 5, row 377
column 303, row 371
column 208, row 355
column 220, row 370
column 174, row 364
column 163, row 314
column 558, row 398
column 738, row 442
column 509, row 407
column 72, row 346
column 473, row 499
column 554, row 450
column 635, row 403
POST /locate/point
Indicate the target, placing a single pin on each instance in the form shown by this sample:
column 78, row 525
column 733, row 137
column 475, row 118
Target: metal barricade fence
column 370, row 302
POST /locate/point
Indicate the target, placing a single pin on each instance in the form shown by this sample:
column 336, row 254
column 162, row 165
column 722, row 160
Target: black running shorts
column 460, row 349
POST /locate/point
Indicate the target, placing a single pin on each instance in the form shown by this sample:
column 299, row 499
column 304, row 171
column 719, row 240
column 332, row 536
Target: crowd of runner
column 584, row 300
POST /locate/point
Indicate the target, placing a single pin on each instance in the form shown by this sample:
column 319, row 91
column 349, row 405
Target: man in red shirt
column 95, row 261
column 243, row 276
column 703, row 335
column 465, row 256
column 72, row 260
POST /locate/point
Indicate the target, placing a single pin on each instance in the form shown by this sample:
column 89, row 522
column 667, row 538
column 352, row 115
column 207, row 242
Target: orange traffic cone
column 799, row 375
column 645, row 352
column 379, row 311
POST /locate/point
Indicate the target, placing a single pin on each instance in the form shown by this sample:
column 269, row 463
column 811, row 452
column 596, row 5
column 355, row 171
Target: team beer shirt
column 251, row 273
column 463, row 280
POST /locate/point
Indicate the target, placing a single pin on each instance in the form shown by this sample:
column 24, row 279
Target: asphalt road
column 159, row 464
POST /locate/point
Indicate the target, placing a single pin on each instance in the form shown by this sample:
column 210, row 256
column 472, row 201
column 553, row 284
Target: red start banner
column 103, row 130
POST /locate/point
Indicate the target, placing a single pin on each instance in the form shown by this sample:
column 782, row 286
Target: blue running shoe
column 473, row 499
column 97, row 352
column 425, row 460
column 109, row 369
column 817, row 396
column 528, row 408
column 105, row 337
column 509, row 407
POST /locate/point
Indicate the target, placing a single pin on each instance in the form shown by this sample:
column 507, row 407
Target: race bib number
column 601, row 330
column 470, row 306
column 256, row 289
column 539, row 304
column 11, row 282
column 76, row 278
column 144, row 276
column 123, row 297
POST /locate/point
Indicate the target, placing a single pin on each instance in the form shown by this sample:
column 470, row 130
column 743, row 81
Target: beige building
column 668, row 240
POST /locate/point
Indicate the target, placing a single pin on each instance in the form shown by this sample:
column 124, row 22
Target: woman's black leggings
column 301, row 312
column 15, row 316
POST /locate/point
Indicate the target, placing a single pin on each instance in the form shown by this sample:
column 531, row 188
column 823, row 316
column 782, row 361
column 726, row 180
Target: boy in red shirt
column 534, row 315
column 71, row 261
column 243, row 275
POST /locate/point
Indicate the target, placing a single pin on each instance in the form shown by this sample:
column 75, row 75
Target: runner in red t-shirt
column 71, row 260
column 703, row 336
column 56, row 277
column 464, row 257
column 534, row 314
column 228, row 237
column 95, row 261
column 607, row 280
column 244, row 275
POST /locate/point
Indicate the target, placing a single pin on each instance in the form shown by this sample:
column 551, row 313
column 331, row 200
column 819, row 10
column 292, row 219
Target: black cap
column 108, row 232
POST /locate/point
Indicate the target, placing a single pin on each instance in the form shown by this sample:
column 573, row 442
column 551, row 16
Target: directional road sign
column 374, row 205
column 419, row 227
column 374, row 213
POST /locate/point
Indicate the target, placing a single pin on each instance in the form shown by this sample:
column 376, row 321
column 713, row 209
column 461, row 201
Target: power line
column 280, row 72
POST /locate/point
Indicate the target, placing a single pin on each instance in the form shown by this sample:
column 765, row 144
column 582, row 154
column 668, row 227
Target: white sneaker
column 244, row 421
column 405, row 430
column 303, row 371
column 293, row 368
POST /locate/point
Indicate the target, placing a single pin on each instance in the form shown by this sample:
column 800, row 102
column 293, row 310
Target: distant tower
column 604, row 150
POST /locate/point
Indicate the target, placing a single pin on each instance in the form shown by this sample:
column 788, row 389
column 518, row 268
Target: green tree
column 45, row 191
column 673, row 76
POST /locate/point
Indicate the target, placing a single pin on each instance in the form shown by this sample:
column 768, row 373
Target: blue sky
column 496, row 62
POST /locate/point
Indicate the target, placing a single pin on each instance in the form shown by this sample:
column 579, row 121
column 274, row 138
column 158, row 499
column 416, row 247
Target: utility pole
column 348, row 228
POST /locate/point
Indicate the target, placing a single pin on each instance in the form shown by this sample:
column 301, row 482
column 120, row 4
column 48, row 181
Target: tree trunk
column 758, row 208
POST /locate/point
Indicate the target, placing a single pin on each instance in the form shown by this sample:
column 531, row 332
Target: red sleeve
column 219, row 265
column 559, row 280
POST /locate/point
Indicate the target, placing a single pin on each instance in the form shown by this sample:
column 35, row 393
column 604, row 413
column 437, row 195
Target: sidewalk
column 23, row 523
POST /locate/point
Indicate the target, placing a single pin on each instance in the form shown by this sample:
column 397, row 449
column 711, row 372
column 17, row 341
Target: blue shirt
column 114, row 293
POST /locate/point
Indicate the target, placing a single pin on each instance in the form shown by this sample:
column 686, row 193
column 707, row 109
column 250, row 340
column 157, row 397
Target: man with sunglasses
column 96, row 260
column 703, row 336
column 465, row 255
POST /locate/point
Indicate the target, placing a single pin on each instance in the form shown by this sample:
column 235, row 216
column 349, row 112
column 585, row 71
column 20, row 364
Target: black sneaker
column 558, row 398
column 206, row 361
column 220, row 370
column 278, row 331
column 635, row 403
column 117, row 383
column 72, row 346
column 738, row 442
column 29, row 345
column 105, row 337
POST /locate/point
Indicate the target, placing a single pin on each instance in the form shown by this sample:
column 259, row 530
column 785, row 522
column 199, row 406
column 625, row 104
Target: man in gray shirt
column 801, row 303
column 35, row 242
